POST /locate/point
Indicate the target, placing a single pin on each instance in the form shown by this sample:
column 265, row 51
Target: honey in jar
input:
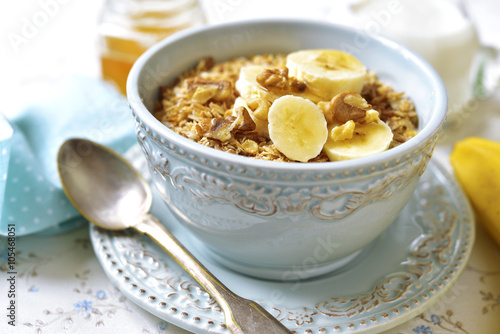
column 128, row 27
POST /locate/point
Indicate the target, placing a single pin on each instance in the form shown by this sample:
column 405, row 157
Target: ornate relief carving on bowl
column 318, row 200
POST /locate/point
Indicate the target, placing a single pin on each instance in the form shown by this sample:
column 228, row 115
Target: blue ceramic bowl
column 283, row 221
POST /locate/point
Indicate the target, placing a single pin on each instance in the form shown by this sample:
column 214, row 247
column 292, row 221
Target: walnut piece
column 220, row 129
column 239, row 127
column 349, row 105
column 243, row 121
column 203, row 90
column 259, row 107
column 205, row 64
column 277, row 79
column 343, row 132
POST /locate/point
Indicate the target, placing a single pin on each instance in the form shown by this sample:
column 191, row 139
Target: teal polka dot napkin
column 79, row 107
column 5, row 143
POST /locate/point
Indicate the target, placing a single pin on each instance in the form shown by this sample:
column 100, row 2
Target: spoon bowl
column 110, row 193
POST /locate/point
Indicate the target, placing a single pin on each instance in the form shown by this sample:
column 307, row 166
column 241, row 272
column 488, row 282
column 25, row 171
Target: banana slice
column 297, row 127
column 367, row 139
column 327, row 72
column 249, row 88
column 261, row 125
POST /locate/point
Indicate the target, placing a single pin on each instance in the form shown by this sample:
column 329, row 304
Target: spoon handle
column 242, row 316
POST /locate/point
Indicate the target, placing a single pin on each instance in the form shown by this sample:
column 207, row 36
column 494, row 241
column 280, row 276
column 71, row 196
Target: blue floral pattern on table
column 440, row 323
column 63, row 272
column 84, row 308
column 101, row 294
column 436, row 320
column 422, row 330
column 84, row 305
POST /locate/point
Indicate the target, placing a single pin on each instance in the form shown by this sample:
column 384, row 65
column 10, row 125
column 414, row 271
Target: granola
column 200, row 105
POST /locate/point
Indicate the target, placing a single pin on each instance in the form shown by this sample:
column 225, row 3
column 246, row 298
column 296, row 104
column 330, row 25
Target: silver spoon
column 110, row 193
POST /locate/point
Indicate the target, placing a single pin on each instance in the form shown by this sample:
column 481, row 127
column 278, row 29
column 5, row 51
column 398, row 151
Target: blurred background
column 46, row 40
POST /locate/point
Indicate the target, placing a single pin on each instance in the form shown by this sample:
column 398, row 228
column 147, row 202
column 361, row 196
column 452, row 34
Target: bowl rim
column 436, row 119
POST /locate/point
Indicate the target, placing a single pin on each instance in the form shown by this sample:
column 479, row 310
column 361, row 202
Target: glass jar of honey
column 128, row 27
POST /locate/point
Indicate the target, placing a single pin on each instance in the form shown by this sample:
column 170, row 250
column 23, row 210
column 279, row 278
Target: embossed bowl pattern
column 283, row 221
